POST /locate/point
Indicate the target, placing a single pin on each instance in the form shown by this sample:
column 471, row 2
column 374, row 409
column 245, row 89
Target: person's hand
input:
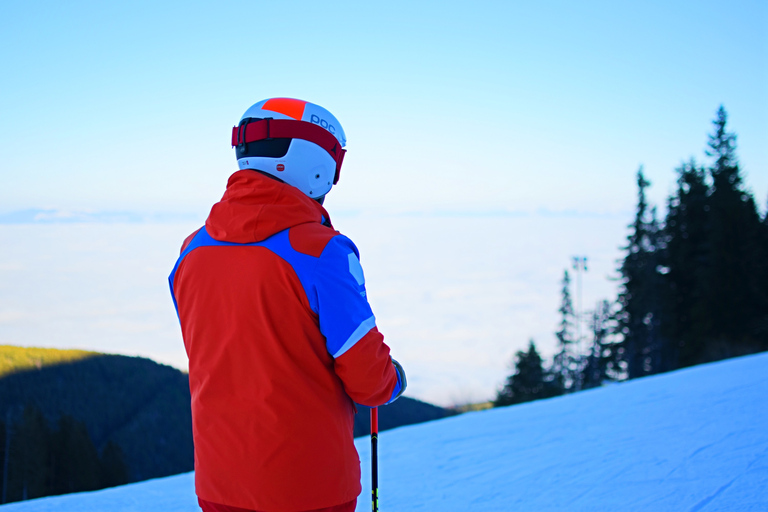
column 400, row 377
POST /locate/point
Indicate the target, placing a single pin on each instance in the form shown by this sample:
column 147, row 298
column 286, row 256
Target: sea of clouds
column 455, row 294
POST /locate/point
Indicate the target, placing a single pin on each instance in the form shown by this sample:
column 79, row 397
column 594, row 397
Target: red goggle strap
column 268, row 128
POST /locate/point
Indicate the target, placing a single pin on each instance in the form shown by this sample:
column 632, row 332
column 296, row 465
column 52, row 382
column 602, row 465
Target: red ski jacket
column 281, row 341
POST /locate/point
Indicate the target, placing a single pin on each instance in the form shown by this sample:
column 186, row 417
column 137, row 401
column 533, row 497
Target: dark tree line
column 694, row 287
column 530, row 380
column 569, row 370
column 142, row 406
column 37, row 460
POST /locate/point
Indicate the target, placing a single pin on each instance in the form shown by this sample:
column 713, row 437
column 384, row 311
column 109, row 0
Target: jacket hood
column 255, row 207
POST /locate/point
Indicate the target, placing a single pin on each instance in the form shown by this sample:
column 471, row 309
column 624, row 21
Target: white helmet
column 294, row 140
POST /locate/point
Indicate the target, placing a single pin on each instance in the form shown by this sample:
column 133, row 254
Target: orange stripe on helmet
column 288, row 106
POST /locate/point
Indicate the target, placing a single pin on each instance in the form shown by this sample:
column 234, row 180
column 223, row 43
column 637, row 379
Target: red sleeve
column 367, row 371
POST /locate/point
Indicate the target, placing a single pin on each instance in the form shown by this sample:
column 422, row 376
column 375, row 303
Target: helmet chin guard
column 296, row 141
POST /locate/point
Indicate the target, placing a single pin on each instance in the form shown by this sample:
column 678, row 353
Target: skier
column 280, row 337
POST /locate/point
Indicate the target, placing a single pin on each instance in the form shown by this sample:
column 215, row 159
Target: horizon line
column 47, row 216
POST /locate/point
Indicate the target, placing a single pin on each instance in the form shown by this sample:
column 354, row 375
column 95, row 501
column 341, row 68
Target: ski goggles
column 269, row 128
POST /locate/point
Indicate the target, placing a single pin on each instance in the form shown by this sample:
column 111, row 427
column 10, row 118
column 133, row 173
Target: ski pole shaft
column 374, row 459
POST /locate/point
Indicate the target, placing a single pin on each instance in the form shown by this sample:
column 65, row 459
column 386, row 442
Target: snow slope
column 695, row 440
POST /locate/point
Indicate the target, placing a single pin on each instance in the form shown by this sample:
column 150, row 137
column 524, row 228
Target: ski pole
column 374, row 459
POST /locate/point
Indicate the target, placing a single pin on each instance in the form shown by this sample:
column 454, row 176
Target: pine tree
column 687, row 259
column 641, row 349
column 736, row 302
column 599, row 364
column 4, row 438
column 75, row 461
column 28, row 458
column 113, row 469
column 564, row 363
column 761, row 329
column 8, row 434
column 529, row 382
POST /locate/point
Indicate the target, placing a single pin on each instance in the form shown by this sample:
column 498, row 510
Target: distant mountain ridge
column 59, row 216
column 141, row 405
column 15, row 359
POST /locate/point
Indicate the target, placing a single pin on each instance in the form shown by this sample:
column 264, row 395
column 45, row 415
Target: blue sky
column 447, row 105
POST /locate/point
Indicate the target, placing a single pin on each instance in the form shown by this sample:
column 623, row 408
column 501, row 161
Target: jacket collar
column 255, row 207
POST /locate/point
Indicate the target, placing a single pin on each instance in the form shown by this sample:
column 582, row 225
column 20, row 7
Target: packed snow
column 695, row 440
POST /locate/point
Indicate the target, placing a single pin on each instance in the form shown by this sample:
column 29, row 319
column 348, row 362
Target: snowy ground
column 693, row 441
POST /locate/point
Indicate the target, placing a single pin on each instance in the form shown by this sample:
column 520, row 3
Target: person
column 276, row 323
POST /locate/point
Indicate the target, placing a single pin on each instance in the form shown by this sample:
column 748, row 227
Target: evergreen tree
column 761, row 330
column 28, row 457
column 736, row 301
column 113, row 469
column 4, row 439
column 641, row 349
column 42, row 462
column 599, row 363
column 564, row 364
column 529, row 381
column 687, row 259
column 75, row 462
